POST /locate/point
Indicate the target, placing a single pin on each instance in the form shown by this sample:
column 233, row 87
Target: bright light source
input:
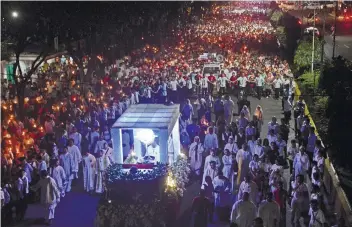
column 147, row 136
column 14, row 14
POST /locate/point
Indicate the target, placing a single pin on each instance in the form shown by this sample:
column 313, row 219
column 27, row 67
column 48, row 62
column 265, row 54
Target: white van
column 212, row 68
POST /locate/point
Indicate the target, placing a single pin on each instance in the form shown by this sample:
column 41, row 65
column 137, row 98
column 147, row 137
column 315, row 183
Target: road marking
column 346, row 46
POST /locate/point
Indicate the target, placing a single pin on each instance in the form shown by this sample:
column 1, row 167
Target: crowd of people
column 65, row 134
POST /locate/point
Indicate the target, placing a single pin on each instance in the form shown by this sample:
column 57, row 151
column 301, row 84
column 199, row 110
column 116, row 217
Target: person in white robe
column 250, row 187
column 228, row 109
column 259, row 149
column 126, row 148
column 101, row 165
column 300, row 198
column 243, row 159
column 269, row 211
column 231, row 146
column 301, row 163
column 58, row 174
column 211, row 171
column 222, row 195
column 77, row 138
column 99, row 145
column 49, row 194
column 211, row 157
column 76, row 155
column 88, row 172
column 196, row 150
column 210, row 140
column 108, row 154
column 66, row 161
column 153, row 150
column 243, row 212
column 227, row 169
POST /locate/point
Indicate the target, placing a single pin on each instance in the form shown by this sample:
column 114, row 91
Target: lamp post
column 313, row 43
column 334, row 37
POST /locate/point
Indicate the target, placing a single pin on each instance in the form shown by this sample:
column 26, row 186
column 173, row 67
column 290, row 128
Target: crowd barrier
column 336, row 196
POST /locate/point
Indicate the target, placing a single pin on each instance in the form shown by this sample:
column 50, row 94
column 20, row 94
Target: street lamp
column 14, row 14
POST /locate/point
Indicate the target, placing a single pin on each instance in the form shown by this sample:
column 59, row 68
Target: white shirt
column 173, row 84
column 204, row 83
column 260, row 81
column 317, row 218
column 222, row 81
column 242, row 81
column 153, row 151
column 277, row 83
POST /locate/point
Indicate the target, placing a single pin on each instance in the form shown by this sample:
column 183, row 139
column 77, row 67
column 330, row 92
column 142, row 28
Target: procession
column 220, row 72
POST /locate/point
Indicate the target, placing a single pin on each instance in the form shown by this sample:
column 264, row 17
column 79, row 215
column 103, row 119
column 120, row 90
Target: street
column 343, row 46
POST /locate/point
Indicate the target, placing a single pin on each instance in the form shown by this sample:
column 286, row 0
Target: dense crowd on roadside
column 65, row 133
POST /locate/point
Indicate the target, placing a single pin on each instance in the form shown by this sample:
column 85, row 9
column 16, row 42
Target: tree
column 23, row 32
column 336, row 80
column 303, row 56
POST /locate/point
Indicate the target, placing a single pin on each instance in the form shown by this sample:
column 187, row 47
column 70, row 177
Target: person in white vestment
column 211, row 140
column 317, row 217
column 99, row 145
column 126, row 148
column 269, row 211
column 196, row 150
column 66, row 161
column 76, row 155
column 77, row 137
column 88, row 172
column 250, row 187
column 154, row 151
column 300, row 198
column 211, row 171
column 222, row 196
column 243, row 158
column 301, row 163
column 211, row 157
column 58, row 174
column 243, row 212
column 231, row 146
column 228, row 109
column 49, row 194
column 100, row 167
column 108, row 154
column 228, row 162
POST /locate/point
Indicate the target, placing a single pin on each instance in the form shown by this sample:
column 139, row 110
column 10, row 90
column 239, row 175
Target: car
column 310, row 30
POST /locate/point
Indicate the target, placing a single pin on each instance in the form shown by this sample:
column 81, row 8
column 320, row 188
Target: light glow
column 147, row 136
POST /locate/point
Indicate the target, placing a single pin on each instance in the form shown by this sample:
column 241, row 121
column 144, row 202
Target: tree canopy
column 336, row 80
column 303, row 55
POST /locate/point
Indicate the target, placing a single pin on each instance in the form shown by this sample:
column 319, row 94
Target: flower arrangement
column 131, row 215
column 115, row 173
column 178, row 177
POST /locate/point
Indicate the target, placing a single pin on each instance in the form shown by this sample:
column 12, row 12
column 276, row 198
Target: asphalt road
column 343, row 46
column 79, row 209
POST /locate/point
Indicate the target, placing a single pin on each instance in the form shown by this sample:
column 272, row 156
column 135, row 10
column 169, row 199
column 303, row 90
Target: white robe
column 269, row 211
column 101, row 164
column 99, row 146
column 58, row 174
column 66, row 161
column 88, row 172
column 212, row 173
column 196, row 164
column 243, row 159
column 228, row 109
column 301, row 164
column 251, row 188
column 233, row 148
column 243, row 213
column 227, row 169
column 210, row 158
column 77, row 138
column 77, row 157
column 222, row 194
